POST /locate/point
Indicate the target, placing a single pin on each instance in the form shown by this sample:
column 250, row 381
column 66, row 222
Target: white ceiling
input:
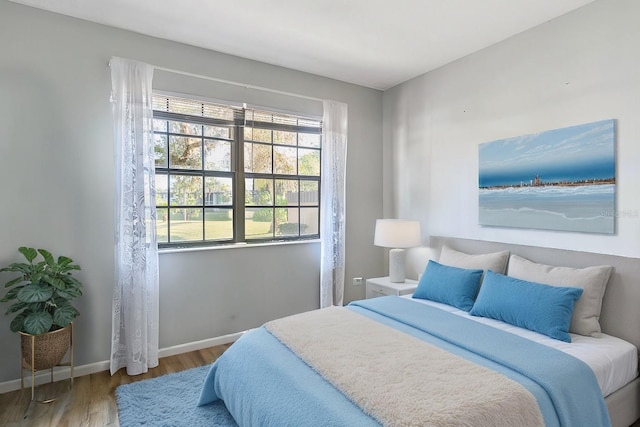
column 373, row 43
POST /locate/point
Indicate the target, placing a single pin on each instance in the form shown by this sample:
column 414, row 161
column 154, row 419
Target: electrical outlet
column 358, row 281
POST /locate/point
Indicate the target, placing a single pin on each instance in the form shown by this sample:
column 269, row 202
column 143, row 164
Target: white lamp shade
column 397, row 233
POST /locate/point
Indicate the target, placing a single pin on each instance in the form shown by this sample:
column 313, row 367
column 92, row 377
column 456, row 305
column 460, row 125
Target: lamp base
column 397, row 272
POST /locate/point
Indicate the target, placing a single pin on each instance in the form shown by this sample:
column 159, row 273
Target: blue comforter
column 264, row 384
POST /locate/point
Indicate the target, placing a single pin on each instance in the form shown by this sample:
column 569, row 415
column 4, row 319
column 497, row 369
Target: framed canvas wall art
column 561, row 179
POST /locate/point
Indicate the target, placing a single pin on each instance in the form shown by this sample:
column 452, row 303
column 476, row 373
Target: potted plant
column 40, row 298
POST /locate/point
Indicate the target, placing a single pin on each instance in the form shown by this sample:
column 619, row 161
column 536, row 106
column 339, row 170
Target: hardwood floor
column 91, row 402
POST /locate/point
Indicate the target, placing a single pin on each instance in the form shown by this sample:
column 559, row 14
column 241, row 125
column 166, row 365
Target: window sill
column 235, row 246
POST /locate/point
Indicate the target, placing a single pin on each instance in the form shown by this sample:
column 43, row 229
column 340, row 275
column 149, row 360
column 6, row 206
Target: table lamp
column 397, row 234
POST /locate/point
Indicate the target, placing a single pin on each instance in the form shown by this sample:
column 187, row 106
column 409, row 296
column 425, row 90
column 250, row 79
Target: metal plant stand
column 29, row 363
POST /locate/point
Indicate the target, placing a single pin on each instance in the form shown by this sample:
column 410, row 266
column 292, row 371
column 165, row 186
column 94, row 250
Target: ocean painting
column 562, row 179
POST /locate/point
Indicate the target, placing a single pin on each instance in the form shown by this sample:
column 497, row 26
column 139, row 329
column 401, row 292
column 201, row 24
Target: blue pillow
column 449, row 285
column 534, row 306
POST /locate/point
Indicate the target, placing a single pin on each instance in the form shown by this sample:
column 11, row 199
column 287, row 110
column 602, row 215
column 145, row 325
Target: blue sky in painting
column 569, row 154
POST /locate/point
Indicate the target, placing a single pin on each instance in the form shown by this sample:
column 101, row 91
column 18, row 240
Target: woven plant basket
column 50, row 348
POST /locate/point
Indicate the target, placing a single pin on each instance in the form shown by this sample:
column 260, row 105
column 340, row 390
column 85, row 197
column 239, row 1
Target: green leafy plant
column 40, row 295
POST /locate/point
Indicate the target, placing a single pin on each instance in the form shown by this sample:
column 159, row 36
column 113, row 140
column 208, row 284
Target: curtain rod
column 230, row 82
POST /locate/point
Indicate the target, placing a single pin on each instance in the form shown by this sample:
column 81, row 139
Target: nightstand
column 381, row 286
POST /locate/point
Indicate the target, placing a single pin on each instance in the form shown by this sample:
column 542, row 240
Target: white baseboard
column 198, row 345
column 62, row 373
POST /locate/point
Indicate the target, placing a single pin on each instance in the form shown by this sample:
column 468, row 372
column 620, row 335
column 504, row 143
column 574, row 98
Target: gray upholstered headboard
column 620, row 314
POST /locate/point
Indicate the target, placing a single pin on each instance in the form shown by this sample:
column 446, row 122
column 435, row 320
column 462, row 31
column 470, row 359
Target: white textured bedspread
column 400, row 380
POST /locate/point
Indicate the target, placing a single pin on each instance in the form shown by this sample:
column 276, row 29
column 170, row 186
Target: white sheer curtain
column 332, row 215
column 134, row 326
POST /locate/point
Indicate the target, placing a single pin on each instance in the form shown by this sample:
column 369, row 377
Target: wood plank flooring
column 91, row 402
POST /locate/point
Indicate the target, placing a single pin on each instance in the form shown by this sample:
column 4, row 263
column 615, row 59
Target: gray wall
column 581, row 67
column 57, row 179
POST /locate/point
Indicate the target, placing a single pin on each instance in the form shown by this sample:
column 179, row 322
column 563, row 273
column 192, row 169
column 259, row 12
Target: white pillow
column 496, row 261
column 586, row 313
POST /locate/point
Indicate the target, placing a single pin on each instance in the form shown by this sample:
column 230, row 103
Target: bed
column 451, row 354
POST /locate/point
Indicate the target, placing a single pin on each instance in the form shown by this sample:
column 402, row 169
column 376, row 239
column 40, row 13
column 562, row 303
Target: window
column 227, row 174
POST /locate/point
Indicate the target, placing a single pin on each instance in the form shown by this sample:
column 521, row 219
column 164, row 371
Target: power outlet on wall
column 358, row 281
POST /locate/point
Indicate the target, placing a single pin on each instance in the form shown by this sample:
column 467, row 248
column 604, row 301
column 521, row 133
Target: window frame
column 237, row 172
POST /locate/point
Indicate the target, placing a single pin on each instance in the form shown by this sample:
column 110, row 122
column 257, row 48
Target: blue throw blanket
column 263, row 383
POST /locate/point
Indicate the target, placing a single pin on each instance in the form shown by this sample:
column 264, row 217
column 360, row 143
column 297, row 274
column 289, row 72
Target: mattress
column 614, row 361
